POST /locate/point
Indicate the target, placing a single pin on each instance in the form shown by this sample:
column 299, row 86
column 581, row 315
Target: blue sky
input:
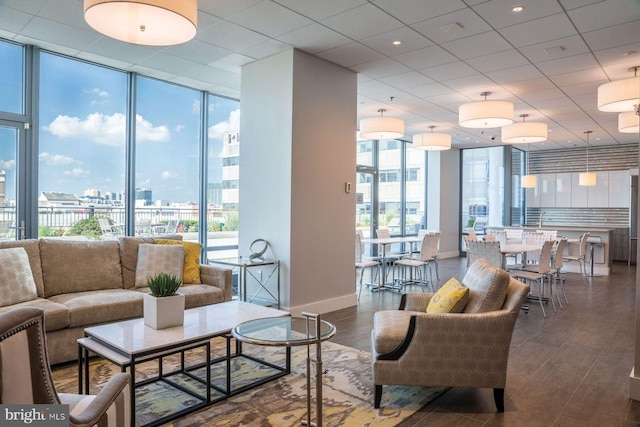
column 82, row 131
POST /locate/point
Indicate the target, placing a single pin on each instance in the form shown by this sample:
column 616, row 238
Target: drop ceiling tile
column 110, row 62
column 407, row 80
column 60, row 34
column 318, row 10
column 431, row 89
column 516, row 74
column 534, row 85
column 231, row 36
column 314, row 38
column 585, row 61
column 475, row 84
column 410, row 39
column 425, row 58
column 362, row 22
column 13, row 20
column 267, row 48
column 555, row 49
column 454, row 70
column 588, row 88
column 577, row 77
column 151, row 72
column 618, row 35
column 609, row 13
column 540, row 30
column 122, row 51
column 574, row 4
column 232, row 62
column 452, row 26
column 52, row 47
column 622, row 70
column 449, row 100
column 498, row 13
column 412, row 11
column 68, row 12
column 350, row 54
column 270, row 19
column 382, row 67
column 498, row 61
column 226, row 8
column 205, row 20
column 478, row 45
column 198, row 51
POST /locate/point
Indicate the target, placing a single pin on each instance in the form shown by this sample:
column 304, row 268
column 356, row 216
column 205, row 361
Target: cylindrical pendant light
column 381, row 127
column 528, row 181
column 144, row 22
column 587, row 179
column 524, row 132
column 485, row 114
column 620, row 95
column 629, row 122
column 432, row 141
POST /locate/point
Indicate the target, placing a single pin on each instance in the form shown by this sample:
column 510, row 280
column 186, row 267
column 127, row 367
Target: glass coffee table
column 286, row 332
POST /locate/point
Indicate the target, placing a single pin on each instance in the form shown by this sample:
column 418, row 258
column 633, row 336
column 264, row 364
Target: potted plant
column 163, row 306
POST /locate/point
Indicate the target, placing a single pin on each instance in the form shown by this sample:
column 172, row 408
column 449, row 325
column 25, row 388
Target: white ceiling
column 548, row 59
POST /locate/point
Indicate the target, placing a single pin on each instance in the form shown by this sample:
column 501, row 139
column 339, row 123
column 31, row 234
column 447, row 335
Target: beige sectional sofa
column 86, row 283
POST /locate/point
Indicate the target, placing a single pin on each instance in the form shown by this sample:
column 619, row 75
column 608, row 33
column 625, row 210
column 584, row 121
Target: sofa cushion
column 93, row 308
column 76, row 266
column 487, row 285
column 196, row 295
column 155, row 259
column 390, row 327
column 56, row 316
column 192, row 251
column 33, row 251
column 16, row 280
column 450, row 298
column 129, row 258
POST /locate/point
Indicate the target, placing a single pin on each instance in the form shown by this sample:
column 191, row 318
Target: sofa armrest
column 218, row 277
column 415, row 301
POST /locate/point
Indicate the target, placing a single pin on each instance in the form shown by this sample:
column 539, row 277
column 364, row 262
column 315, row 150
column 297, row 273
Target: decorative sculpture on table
column 257, row 255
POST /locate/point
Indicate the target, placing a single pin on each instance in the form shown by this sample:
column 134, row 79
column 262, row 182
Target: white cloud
column 105, row 129
column 232, row 125
column 166, row 175
column 179, row 128
column 98, row 92
column 77, row 172
column 7, row 164
column 55, row 159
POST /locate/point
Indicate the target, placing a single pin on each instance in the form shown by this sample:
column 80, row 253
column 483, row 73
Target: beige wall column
column 297, row 151
column 443, row 199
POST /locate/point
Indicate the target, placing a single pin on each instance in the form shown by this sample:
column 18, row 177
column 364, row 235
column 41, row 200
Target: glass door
column 365, row 184
column 12, row 139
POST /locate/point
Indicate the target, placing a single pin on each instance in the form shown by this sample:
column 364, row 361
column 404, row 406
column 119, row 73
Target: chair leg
column 378, row 396
column 540, row 297
column 498, row 396
column 360, row 290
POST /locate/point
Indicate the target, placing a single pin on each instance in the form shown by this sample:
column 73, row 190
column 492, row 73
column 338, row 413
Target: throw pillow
column 154, row 259
column 450, row 298
column 192, row 250
column 16, row 280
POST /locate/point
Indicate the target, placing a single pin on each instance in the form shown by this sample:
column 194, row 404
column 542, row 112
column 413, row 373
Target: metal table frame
column 244, row 266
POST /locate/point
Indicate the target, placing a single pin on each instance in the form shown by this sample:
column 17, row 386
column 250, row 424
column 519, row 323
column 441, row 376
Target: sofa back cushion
column 155, row 259
column 76, row 266
column 487, row 285
column 16, row 281
column 129, row 256
column 33, row 252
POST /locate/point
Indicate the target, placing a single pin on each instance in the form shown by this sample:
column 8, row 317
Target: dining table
column 517, row 249
column 384, row 244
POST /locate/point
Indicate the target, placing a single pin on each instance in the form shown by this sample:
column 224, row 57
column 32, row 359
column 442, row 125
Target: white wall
column 443, row 199
column 297, row 151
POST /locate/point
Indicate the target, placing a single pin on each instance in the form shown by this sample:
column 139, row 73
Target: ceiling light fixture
column 144, row 22
column 518, row 9
column 528, row 181
column 485, row 114
column 620, row 95
column 397, row 43
column 629, row 122
column 381, row 127
column 432, row 141
column 524, row 132
column 587, row 179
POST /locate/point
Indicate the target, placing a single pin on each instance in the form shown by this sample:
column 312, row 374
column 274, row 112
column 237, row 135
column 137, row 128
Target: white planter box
column 164, row 312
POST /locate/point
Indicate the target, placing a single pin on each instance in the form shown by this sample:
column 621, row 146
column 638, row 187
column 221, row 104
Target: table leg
column 80, row 367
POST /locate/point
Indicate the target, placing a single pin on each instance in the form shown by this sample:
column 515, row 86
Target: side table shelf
column 266, row 278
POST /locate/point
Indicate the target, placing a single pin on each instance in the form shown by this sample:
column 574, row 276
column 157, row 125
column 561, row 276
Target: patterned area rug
column 347, row 391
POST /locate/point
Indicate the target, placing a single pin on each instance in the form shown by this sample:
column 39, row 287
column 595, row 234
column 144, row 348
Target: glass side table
column 264, row 294
column 282, row 332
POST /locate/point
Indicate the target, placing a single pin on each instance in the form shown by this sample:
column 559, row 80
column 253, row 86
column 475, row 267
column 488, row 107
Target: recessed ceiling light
column 397, row 42
column 518, row 9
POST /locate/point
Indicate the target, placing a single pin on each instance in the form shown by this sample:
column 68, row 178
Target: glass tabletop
column 242, row 260
column 284, row 331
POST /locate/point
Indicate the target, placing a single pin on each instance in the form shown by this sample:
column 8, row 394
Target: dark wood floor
column 570, row 369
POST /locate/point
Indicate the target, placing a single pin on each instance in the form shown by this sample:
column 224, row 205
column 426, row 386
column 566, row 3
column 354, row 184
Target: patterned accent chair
column 411, row 347
column 25, row 375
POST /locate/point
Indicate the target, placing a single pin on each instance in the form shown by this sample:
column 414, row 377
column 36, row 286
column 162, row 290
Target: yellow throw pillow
column 191, row 268
column 450, row 298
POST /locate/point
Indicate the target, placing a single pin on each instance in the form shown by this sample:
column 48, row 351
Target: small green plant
column 163, row 285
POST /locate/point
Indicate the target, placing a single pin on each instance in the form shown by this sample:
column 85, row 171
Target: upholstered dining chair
column 25, row 375
column 411, row 347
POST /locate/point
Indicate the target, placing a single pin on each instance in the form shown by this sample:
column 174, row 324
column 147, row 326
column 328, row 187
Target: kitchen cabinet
column 578, row 193
column 598, row 195
column 547, row 186
column 563, row 190
column 619, row 189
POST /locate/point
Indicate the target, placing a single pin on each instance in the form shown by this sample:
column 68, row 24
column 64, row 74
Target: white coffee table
column 130, row 342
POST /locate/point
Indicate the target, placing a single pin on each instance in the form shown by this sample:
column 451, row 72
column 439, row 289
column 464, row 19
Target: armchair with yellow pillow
column 457, row 337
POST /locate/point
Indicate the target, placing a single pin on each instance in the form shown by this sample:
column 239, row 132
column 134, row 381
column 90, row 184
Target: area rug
column 347, row 391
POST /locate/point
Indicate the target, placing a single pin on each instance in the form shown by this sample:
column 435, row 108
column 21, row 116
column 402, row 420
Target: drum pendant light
column 528, row 181
column 144, row 22
column 432, row 141
column 524, row 132
column 620, row 95
column 629, row 122
column 485, row 114
column 587, row 179
column 381, row 127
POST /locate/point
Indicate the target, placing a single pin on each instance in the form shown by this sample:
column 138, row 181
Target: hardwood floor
column 570, row 369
